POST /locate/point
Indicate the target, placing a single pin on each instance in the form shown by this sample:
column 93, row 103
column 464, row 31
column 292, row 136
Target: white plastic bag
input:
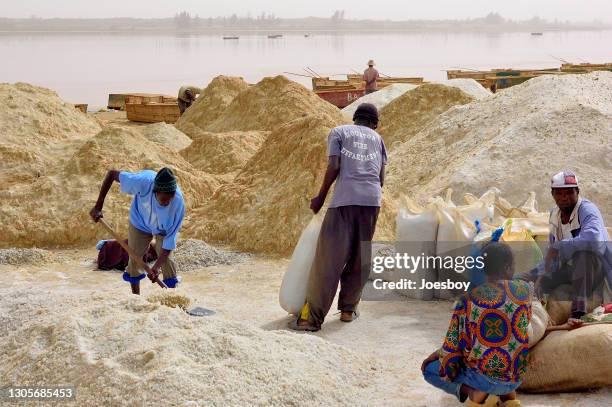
column 292, row 295
column 455, row 236
column 416, row 235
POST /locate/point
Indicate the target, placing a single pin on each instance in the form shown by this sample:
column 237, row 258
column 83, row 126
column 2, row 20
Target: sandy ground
column 399, row 333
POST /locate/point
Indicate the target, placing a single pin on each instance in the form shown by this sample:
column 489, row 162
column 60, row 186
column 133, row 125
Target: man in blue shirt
column 580, row 252
column 157, row 211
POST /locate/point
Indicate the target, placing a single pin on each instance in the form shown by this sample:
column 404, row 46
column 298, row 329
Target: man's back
column 362, row 154
column 370, row 76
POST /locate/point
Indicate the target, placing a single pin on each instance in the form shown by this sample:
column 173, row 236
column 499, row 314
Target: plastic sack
column 292, row 295
column 526, row 252
column 479, row 209
column 455, row 236
column 417, row 232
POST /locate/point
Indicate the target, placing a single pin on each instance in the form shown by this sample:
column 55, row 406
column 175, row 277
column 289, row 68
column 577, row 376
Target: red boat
column 340, row 97
column 342, row 93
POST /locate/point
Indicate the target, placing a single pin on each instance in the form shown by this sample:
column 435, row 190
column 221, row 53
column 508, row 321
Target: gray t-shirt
column 362, row 154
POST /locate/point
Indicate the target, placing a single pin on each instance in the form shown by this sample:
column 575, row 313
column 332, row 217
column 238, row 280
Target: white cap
column 564, row 179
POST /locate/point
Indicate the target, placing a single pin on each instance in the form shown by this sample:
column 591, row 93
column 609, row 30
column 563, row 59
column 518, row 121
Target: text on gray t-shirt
column 362, row 154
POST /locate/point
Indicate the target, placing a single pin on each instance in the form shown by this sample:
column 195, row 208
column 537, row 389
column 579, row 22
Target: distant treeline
column 185, row 22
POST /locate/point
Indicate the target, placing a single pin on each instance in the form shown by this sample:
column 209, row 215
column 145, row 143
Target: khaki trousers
column 139, row 242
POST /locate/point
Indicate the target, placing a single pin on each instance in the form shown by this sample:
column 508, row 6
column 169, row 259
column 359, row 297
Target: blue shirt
column 146, row 214
column 589, row 234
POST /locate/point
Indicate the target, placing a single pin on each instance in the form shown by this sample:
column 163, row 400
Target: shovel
column 131, row 253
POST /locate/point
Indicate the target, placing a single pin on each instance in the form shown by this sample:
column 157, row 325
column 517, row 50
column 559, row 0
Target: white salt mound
column 193, row 254
column 127, row 351
column 380, row 98
column 515, row 141
column 469, row 86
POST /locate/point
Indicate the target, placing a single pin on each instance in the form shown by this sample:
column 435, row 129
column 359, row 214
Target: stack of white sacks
column 443, row 228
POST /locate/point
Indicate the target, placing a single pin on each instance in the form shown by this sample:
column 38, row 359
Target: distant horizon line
column 268, row 17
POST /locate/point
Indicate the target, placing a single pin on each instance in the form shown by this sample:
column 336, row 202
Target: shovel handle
column 131, row 253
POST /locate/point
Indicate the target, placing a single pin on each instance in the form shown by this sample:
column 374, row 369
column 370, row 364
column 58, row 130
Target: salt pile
column 515, row 140
column 18, row 257
column 469, row 86
column 36, row 128
column 380, row 98
column 223, row 153
column 267, row 205
column 192, row 254
column 52, row 210
column 269, row 104
column 213, row 101
column 170, row 299
column 167, row 135
column 127, row 352
column 403, row 118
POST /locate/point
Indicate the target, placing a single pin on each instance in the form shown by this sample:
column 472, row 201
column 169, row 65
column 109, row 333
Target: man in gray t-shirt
column 357, row 159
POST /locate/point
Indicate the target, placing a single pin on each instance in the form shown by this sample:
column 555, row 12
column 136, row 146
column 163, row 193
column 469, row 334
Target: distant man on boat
column 157, row 211
column 186, row 96
column 580, row 252
column 370, row 76
column 356, row 162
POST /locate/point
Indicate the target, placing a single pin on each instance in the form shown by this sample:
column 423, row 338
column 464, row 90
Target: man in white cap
column 580, row 253
column 370, row 76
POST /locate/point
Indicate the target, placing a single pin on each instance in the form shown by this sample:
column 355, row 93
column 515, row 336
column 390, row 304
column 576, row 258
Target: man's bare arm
column 111, row 176
column 333, row 169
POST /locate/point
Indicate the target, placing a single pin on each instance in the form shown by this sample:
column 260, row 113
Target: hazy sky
column 576, row 10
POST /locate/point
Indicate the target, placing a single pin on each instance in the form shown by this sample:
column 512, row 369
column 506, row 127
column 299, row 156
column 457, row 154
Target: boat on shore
column 231, row 37
column 117, row 101
column 586, row 67
column 272, row 36
column 144, row 111
column 343, row 92
column 495, row 79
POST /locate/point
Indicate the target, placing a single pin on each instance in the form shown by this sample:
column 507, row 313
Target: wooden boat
column 343, row 92
column 231, row 38
column 340, row 97
column 495, row 79
column 584, row 68
column 275, row 36
column 537, row 33
column 388, row 80
column 455, row 74
column 153, row 112
column 116, row 101
column 322, row 83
